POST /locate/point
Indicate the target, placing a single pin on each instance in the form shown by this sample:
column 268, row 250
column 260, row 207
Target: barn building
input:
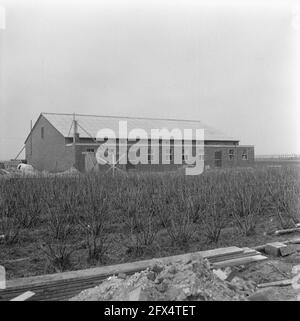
column 59, row 141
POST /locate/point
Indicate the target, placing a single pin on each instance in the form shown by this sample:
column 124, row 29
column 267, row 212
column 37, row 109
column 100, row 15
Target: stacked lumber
column 280, row 248
column 62, row 286
column 287, row 242
column 23, row 297
column 245, row 257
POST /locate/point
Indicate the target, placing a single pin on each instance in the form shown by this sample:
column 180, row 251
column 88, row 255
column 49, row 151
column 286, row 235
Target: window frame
column 245, row 153
column 169, row 155
column 151, row 155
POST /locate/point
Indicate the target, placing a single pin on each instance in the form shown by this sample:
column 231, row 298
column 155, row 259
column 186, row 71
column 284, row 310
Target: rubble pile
column 190, row 280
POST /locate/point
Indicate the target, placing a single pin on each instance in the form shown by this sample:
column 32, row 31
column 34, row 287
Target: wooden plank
column 287, row 250
column 220, row 252
column 274, row 248
column 239, row 261
column 55, row 291
column 245, row 253
column 276, row 283
column 61, row 286
column 287, row 231
column 46, row 290
column 291, row 241
column 74, row 275
column 23, row 297
column 64, row 294
column 260, row 248
column 65, row 282
column 115, row 269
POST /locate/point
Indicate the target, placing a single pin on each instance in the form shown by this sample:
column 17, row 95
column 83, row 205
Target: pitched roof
column 89, row 125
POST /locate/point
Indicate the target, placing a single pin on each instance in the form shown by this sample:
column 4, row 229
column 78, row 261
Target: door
column 218, row 159
column 90, row 162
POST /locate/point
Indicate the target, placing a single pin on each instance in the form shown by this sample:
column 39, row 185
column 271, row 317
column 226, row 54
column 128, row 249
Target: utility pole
column 75, row 131
column 30, row 137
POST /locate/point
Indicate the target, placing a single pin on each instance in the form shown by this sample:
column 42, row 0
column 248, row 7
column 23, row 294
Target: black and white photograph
column 149, row 153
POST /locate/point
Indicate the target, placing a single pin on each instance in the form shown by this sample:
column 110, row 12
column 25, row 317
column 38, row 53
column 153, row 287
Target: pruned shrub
column 10, row 226
column 177, row 215
column 94, row 219
column 284, row 190
column 212, row 209
column 246, row 201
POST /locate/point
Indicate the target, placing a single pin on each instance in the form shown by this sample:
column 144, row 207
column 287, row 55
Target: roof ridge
column 125, row 117
column 216, row 134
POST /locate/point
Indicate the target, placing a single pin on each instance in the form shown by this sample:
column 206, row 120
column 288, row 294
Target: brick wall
column 49, row 153
column 55, row 153
column 236, row 161
column 209, row 158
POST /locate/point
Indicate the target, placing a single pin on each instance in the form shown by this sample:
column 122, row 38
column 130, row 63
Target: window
column 169, row 155
column 231, row 154
column 218, row 158
column 185, row 156
column 151, row 155
column 185, row 153
column 90, row 150
column 42, row 132
column 245, row 155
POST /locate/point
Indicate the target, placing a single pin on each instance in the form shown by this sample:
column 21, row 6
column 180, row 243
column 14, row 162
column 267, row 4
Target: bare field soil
column 66, row 223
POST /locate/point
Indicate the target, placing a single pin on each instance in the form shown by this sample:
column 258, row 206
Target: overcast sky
column 232, row 65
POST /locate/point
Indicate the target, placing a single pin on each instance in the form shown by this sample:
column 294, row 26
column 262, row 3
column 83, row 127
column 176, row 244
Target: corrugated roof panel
column 89, row 125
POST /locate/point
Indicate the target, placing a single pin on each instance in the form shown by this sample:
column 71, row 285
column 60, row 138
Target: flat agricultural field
column 53, row 224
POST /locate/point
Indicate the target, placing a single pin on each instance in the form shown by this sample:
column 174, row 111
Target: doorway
column 218, row 159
